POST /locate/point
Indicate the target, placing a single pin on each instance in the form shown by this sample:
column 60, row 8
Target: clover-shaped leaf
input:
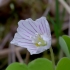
column 64, row 42
column 17, row 66
column 40, row 64
column 63, row 64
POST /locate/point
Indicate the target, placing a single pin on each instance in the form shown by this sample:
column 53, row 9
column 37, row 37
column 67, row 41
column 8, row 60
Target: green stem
column 52, row 57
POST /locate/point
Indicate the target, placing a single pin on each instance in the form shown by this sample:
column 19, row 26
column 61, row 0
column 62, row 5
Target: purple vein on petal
column 32, row 26
column 24, row 38
column 25, row 42
column 43, row 27
column 35, row 24
column 31, row 47
column 40, row 28
column 24, row 34
column 27, row 28
column 26, row 31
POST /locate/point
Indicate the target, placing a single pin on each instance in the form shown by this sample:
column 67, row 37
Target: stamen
column 38, row 40
column 39, row 43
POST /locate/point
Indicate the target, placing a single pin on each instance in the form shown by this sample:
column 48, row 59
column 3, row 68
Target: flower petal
column 18, row 40
column 32, row 24
column 32, row 51
column 25, row 29
column 23, row 33
column 43, row 26
column 28, row 24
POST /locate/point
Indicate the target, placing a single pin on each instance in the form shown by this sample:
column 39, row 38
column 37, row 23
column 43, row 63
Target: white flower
column 33, row 35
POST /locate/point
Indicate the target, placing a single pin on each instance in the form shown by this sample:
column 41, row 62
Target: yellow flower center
column 38, row 40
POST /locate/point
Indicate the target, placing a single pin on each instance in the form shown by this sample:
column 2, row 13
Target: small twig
column 47, row 9
column 5, row 40
column 27, row 57
column 65, row 5
column 11, row 56
column 69, row 26
column 19, row 57
column 3, row 2
column 4, row 53
column 65, row 26
column 69, row 22
column 13, row 53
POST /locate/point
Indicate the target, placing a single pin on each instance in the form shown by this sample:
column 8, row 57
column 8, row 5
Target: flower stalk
column 52, row 57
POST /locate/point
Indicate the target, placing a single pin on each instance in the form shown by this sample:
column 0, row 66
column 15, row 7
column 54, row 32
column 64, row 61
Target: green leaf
column 56, row 29
column 67, row 40
column 57, row 15
column 40, row 64
column 17, row 66
column 63, row 64
column 64, row 46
